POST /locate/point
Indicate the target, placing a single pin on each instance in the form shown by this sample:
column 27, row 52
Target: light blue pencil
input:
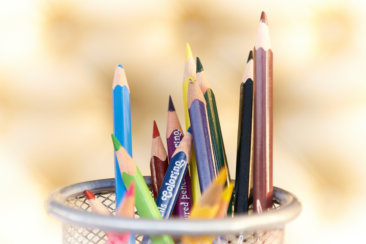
column 122, row 124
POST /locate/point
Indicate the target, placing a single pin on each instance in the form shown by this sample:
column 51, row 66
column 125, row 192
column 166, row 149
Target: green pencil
column 144, row 202
column 214, row 122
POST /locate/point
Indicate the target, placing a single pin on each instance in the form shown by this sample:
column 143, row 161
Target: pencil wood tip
column 199, row 66
column 250, row 56
column 264, row 17
column 171, row 107
column 155, row 130
column 117, row 145
column 188, row 51
column 89, row 195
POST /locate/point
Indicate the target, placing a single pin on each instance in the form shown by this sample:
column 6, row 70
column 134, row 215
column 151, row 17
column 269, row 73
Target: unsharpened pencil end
column 199, row 66
column 188, row 51
column 171, row 107
column 117, row 145
column 250, row 56
column 264, row 17
column 156, row 132
column 89, row 195
column 131, row 190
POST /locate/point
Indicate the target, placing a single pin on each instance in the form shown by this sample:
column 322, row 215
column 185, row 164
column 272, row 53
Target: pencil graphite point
column 155, row 130
column 226, row 195
column 190, row 130
column 250, row 56
column 199, row 66
column 188, row 51
column 264, row 17
column 89, row 195
column 171, row 105
column 117, row 145
column 221, row 177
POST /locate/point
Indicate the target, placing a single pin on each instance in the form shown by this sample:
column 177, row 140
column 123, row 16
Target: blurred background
column 57, row 60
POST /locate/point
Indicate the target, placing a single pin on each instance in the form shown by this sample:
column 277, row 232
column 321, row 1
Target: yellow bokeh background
column 57, row 60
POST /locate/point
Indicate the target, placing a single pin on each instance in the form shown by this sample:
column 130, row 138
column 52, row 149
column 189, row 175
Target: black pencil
column 242, row 182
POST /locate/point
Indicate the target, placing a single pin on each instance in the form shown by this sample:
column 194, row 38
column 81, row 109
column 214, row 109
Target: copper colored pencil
column 174, row 135
column 158, row 161
column 263, row 119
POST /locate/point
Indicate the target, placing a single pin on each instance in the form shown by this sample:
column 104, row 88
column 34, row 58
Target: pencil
column 121, row 123
column 95, row 205
column 158, row 161
column 263, row 117
column 189, row 73
column 201, row 136
column 243, row 155
column 213, row 119
column 225, row 200
column 144, row 202
column 127, row 210
column 207, row 207
column 174, row 135
column 174, row 176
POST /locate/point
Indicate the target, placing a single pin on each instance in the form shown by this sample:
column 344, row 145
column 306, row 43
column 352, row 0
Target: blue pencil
column 201, row 136
column 122, row 124
column 174, row 176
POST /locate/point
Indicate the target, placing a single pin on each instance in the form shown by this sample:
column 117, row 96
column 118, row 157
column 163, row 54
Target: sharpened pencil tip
column 189, row 130
column 221, row 177
column 120, row 65
column 188, row 51
column 264, row 17
column 131, row 190
column 250, row 56
column 117, row 145
column 199, row 66
column 171, row 107
column 228, row 192
column 89, row 195
column 155, row 130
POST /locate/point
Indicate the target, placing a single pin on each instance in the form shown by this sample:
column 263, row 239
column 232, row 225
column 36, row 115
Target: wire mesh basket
column 80, row 225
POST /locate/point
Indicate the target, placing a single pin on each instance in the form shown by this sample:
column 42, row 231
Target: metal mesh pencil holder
column 80, row 225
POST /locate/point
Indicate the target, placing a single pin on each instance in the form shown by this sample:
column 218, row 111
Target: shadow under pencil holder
column 80, row 225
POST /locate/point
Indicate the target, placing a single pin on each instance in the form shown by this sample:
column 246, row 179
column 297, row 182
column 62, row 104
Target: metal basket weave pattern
column 81, row 226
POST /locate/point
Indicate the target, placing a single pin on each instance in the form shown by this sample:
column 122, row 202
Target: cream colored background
column 56, row 66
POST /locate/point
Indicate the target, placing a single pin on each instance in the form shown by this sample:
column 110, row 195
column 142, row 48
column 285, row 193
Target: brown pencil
column 158, row 161
column 263, row 119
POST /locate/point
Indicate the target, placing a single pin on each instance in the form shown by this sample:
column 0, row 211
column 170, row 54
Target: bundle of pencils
column 191, row 178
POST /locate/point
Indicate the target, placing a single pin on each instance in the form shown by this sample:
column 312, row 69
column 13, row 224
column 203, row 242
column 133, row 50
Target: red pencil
column 158, row 161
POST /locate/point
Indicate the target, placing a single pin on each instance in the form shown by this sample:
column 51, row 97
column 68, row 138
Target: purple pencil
column 174, row 135
column 201, row 135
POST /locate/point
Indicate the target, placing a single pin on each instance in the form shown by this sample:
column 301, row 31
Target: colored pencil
column 145, row 204
column 190, row 73
column 225, row 200
column 95, row 205
column 158, row 161
column 263, row 119
column 121, row 123
column 174, row 135
column 201, row 136
column 127, row 210
column 174, row 176
column 208, row 206
column 243, row 155
column 213, row 119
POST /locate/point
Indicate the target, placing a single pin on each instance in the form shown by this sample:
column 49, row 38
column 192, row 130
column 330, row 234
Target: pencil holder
column 80, row 225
